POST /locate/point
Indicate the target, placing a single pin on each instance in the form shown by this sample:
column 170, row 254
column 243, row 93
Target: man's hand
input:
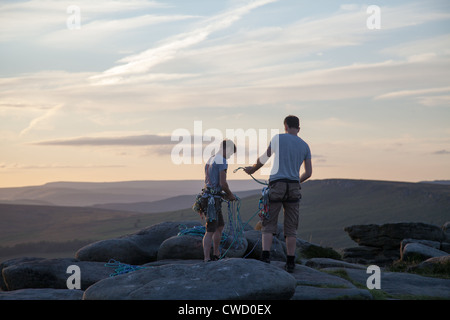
column 250, row 170
column 230, row 197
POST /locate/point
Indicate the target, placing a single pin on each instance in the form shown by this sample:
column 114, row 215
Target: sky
column 98, row 90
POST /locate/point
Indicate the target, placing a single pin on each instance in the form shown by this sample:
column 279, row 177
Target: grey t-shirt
column 290, row 151
column 213, row 167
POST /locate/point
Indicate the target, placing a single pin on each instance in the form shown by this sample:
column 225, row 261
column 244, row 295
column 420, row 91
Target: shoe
column 265, row 257
column 289, row 267
column 215, row 258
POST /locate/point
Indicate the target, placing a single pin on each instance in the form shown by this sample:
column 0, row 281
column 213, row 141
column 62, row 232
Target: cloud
column 143, row 62
column 16, row 166
column 27, row 19
column 137, row 140
column 442, row 152
column 409, row 93
column 41, row 119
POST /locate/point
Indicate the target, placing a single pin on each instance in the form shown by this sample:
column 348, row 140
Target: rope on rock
column 121, row 268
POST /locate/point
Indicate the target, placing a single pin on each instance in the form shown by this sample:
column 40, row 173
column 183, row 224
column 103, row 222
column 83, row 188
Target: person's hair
column 292, row 122
column 226, row 145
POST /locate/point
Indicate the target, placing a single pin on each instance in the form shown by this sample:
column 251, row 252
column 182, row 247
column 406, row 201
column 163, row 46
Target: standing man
column 215, row 185
column 290, row 153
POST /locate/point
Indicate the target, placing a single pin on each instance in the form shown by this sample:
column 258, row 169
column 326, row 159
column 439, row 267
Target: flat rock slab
column 319, row 293
column 320, row 263
column 220, row 280
column 306, row 276
column 51, row 273
column 138, row 248
column 404, row 285
column 41, row 294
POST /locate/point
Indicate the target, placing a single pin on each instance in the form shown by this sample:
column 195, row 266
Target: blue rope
column 121, row 268
column 259, row 181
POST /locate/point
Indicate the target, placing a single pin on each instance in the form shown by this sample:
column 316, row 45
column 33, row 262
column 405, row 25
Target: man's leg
column 217, row 237
column 291, row 243
column 269, row 228
column 291, row 217
column 207, row 240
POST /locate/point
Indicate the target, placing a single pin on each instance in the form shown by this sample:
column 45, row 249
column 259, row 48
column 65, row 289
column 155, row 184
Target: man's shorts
column 286, row 195
column 211, row 226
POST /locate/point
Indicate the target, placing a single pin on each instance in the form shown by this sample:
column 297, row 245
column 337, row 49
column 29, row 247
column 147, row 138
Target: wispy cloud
column 26, row 19
column 141, row 63
column 129, row 140
column 39, row 120
column 442, row 152
column 137, row 140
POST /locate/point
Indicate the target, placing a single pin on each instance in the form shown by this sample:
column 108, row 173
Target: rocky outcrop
column 137, row 248
column 50, row 273
column 388, row 236
column 173, row 269
column 226, row 279
column 42, row 294
column 417, row 251
column 383, row 244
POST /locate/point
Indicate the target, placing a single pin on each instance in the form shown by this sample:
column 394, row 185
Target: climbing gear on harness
column 205, row 203
column 233, row 233
column 263, row 205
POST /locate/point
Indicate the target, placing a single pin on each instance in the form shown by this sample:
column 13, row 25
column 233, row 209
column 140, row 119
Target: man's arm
column 308, row 170
column 224, row 185
column 260, row 162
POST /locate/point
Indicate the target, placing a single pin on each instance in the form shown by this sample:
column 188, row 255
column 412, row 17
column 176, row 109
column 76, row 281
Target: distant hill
column 170, row 204
column 438, row 182
column 326, row 208
column 92, row 193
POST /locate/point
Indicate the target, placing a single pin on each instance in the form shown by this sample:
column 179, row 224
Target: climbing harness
column 205, row 203
column 233, row 233
column 263, row 205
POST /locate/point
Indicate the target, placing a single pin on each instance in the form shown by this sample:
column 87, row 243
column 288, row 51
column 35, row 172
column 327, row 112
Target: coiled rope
column 121, row 268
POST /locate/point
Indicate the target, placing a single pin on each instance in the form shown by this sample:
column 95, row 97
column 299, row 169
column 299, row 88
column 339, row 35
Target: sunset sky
column 99, row 100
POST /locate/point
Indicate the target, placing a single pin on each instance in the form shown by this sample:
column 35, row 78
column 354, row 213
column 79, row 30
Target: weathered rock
column 254, row 247
column 429, row 243
column 417, row 251
column 389, row 236
column 222, row 280
column 191, row 247
column 321, row 293
column 320, row 263
column 42, row 294
column 435, row 265
column 310, row 250
column 11, row 262
column 306, row 276
column 137, row 248
column 446, row 231
column 51, row 273
column 405, row 285
column 181, row 247
column 369, row 255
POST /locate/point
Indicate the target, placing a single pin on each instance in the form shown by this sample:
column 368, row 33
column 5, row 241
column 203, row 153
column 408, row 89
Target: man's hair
column 226, row 145
column 292, row 122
